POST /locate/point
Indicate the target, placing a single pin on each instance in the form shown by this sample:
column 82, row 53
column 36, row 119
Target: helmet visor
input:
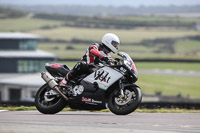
column 115, row 44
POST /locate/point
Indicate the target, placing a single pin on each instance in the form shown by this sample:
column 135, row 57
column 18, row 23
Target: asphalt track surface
column 96, row 122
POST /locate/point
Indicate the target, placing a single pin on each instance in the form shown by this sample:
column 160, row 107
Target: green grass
column 25, row 24
column 70, row 64
column 61, row 51
column 18, row 108
column 134, row 51
column 131, row 35
column 188, row 49
column 170, row 85
column 183, row 49
column 168, row 65
column 67, row 33
column 162, row 110
column 80, row 49
column 158, row 18
column 187, row 46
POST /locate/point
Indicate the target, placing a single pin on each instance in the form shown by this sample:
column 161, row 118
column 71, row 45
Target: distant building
column 18, row 53
column 15, row 87
column 20, row 64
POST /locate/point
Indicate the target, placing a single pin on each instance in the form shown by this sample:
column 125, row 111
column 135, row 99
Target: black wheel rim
column 127, row 104
column 43, row 102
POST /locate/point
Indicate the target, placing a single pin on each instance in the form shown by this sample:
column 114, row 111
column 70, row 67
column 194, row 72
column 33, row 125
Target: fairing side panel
column 89, row 101
column 104, row 77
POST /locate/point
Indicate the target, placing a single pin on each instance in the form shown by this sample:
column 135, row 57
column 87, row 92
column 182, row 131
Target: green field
column 157, row 18
column 168, row 65
column 131, row 35
column 188, row 47
column 61, row 51
column 25, row 24
column 170, row 85
column 183, row 50
column 79, row 50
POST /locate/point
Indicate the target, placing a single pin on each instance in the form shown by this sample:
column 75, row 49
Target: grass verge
column 170, row 85
column 162, row 110
column 18, row 108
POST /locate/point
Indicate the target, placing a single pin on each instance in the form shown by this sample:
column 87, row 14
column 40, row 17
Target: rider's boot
column 66, row 87
column 65, row 84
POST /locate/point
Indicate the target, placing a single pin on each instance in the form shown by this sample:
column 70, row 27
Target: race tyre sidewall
column 130, row 107
column 52, row 109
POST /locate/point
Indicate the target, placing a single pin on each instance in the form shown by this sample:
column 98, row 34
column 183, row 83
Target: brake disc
column 50, row 95
column 124, row 100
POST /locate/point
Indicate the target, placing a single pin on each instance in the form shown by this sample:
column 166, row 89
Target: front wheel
column 123, row 105
column 48, row 104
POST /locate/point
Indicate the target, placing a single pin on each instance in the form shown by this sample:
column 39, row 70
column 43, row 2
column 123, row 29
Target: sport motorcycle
column 104, row 86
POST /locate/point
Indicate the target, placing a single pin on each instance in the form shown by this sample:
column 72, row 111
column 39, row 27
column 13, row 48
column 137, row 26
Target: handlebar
column 102, row 63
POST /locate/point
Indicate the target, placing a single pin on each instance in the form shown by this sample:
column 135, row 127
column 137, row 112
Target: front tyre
column 120, row 105
column 46, row 104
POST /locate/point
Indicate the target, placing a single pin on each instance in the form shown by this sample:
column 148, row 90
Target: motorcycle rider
column 109, row 43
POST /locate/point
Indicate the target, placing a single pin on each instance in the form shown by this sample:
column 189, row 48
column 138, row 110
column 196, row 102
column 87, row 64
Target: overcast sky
column 103, row 2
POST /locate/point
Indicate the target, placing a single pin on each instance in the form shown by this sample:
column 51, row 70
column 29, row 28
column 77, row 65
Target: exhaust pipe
column 50, row 80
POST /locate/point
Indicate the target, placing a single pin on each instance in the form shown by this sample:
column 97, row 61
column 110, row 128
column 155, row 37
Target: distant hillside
column 102, row 10
column 11, row 13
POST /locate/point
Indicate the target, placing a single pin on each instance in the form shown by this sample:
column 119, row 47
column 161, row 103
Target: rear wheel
column 48, row 104
column 123, row 105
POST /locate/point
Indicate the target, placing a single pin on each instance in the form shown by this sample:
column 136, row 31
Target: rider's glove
column 106, row 59
column 117, row 59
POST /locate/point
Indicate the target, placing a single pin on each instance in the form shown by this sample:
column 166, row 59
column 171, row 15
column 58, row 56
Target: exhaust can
column 49, row 79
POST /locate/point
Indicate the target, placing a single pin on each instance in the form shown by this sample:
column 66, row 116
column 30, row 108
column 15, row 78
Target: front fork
column 121, row 86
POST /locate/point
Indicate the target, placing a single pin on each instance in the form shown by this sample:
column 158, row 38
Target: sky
column 115, row 3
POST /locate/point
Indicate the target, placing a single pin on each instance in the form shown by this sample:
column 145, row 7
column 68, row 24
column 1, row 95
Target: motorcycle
column 106, row 86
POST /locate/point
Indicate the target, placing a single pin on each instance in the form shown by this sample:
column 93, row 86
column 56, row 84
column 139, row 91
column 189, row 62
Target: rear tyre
column 124, row 105
column 48, row 105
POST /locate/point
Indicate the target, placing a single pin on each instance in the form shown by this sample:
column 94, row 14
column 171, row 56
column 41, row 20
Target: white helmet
column 111, row 41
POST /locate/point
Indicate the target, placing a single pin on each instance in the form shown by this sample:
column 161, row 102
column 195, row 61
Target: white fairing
column 105, row 77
